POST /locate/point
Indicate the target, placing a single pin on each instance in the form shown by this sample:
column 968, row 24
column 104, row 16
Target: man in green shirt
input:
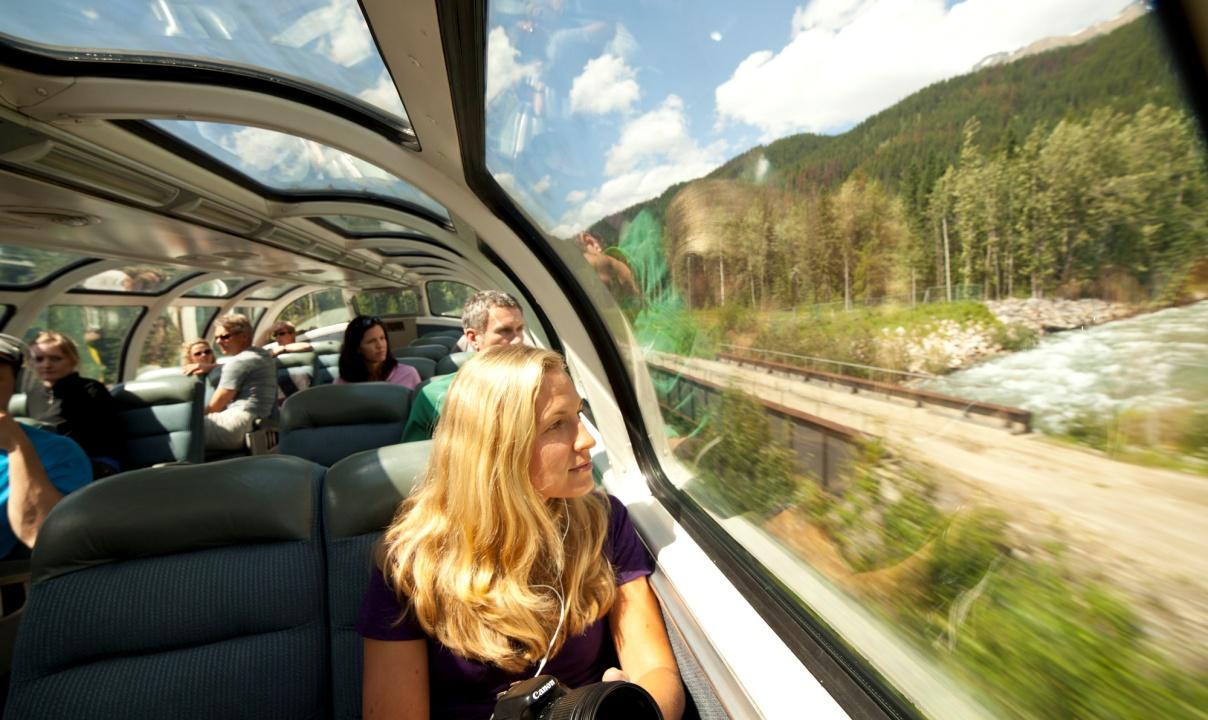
column 490, row 318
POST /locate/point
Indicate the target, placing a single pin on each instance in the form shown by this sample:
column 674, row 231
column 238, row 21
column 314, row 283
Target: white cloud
column 655, row 150
column 502, row 69
column 848, row 59
column 606, row 84
column 383, row 94
column 542, row 185
column 660, row 132
column 623, row 44
column 715, row 36
column 340, row 30
column 825, row 15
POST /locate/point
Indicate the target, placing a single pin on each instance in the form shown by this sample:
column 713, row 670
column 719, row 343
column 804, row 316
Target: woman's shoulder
column 624, row 547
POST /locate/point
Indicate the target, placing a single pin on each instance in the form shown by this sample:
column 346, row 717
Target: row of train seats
column 229, row 589
column 326, row 422
column 160, row 419
column 194, row 575
column 434, row 353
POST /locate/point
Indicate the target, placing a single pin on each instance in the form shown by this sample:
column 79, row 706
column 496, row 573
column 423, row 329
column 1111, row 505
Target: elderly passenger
column 491, row 318
column 37, row 468
column 247, row 389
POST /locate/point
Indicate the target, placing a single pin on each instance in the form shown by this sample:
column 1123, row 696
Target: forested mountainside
column 1077, row 171
column 908, row 146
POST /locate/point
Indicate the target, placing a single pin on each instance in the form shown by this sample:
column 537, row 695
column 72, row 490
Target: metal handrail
column 906, row 373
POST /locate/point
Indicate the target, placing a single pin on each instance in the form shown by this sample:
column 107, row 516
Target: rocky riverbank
column 946, row 345
column 1056, row 315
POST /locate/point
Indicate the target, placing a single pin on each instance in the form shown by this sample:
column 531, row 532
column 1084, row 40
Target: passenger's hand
column 615, row 674
column 196, row 369
column 10, row 432
column 279, row 350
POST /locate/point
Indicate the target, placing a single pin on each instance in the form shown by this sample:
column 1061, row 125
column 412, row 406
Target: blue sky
column 593, row 105
column 598, row 104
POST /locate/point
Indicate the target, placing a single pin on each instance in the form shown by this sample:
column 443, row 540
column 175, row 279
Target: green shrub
column 747, row 469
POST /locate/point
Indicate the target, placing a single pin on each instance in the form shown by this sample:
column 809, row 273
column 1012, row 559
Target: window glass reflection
column 326, row 42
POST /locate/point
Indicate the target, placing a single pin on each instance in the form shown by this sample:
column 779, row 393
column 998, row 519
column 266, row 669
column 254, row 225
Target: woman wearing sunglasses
column 365, row 355
column 197, row 357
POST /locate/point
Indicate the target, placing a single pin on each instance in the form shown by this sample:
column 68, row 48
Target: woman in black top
column 79, row 408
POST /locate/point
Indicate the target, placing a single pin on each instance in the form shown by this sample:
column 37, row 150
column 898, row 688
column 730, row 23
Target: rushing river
column 1152, row 361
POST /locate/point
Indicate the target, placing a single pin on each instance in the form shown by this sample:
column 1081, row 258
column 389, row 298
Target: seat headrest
column 350, row 404
column 155, row 391
column 362, row 491
column 176, row 509
column 295, row 359
column 326, row 347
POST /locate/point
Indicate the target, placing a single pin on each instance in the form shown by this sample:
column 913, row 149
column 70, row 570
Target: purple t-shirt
column 465, row 689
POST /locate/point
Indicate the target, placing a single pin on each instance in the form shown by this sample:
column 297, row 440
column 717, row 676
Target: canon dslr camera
column 544, row 698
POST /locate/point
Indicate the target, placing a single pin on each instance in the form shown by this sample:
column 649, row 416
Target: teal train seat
column 161, row 420
column 448, row 342
column 330, row 422
column 432, row 352
column 360, row 496
column 426, row 367
column 326, row 366
column 295, row 371
column 451, row 362
column 191, row 591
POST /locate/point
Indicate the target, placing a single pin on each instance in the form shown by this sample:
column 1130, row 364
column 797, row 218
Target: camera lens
column 604, row 701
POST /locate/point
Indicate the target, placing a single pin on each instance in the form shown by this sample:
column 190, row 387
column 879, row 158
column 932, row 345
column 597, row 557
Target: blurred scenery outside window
column 317, row 309
column 388, row 301
column 25, row 266
column 973, row 239
column 170, row 330
column 447, row 298
column 99, row 333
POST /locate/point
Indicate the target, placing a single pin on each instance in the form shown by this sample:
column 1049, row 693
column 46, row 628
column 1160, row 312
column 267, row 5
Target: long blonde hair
column 475, row 551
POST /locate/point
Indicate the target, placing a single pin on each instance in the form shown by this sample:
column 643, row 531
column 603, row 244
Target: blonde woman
column 78, row 407
column 506, row 556
column 197, row 357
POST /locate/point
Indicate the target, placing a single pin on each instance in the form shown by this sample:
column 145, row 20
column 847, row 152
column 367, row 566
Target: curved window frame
column 47, row 279
column 42, row 58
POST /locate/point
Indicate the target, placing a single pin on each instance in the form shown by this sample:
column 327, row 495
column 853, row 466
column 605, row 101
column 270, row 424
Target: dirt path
column 1143, row 527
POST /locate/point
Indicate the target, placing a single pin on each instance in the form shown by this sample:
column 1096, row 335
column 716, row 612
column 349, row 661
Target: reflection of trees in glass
column 169, row 331
column 323, row 307
column 447, row 298
column 147, row 279
column 392, row 301
column 99, row 334
column 21, row 266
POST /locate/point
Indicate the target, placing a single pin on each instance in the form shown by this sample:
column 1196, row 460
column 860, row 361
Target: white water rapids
column 1153, row 361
